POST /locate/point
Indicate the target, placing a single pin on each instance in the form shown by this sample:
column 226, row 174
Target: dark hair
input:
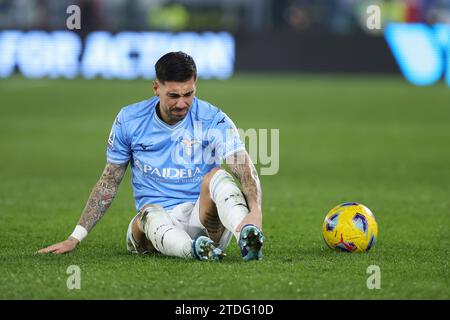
column 175, row 66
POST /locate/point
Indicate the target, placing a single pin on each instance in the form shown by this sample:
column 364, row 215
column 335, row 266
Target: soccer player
column 187, row 205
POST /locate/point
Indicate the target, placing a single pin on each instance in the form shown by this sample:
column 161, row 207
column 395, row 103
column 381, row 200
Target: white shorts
column 185, row 216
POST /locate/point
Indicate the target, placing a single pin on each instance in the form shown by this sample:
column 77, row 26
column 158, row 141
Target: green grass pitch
column 375, row 140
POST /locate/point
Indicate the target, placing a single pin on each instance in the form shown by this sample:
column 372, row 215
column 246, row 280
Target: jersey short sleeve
column 225, row 136
column 119, row 149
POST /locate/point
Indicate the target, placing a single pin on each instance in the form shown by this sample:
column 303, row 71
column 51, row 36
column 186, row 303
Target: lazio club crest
column 188, row 145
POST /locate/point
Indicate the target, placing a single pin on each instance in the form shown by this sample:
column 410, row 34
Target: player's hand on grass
column 253, row 217
column 62, row 247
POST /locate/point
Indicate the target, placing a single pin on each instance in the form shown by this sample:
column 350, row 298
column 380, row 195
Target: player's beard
column 174, row 114
column 178, row 114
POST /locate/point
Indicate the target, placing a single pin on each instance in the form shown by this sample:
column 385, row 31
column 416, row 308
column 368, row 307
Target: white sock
column 229, row 200
column 164, row 235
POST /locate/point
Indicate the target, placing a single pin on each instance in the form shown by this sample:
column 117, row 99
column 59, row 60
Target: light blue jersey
column 168, row 162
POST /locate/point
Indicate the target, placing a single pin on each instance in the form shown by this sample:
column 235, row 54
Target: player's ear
column 155, row 87
column 195, row 85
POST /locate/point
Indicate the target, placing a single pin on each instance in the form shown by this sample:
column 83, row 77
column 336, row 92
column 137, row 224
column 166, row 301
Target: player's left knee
column 207, row 177
column 151, row 213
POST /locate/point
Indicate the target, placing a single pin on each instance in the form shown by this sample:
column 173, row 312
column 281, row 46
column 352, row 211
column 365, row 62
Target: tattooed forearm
column 242, row 167
column 102, row 195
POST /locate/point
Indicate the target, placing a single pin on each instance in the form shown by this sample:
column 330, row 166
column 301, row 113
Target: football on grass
column 350, row 227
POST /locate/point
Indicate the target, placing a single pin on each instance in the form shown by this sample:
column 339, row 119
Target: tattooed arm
column 242, row 167
column 102, row 195
column 99, row 201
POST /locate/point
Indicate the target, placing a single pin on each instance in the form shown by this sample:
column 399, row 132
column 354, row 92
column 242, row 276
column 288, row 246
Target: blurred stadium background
column 363, row 116
column 242, row 35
